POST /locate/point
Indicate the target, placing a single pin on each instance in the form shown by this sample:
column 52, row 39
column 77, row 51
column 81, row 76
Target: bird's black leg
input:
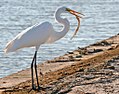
column 32, row 77
column 36, row 72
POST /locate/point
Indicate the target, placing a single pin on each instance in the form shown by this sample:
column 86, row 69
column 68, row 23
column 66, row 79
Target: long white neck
column 64, row 22
column 57, row 35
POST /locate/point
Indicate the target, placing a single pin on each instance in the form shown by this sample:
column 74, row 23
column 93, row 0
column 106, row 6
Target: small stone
column 4, row 82
column 98, row 50
column 81, row 70
column 111, row 67
column 88, row 77
column 64, row 91
column 70, row 52
column 91, row 50
column 78, row 56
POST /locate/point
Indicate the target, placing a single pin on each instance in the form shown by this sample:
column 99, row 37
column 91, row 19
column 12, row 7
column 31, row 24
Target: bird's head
column 78, row 15
column 68, row 10
column 73, row 12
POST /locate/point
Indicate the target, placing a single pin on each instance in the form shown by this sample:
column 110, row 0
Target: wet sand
column 90, row 70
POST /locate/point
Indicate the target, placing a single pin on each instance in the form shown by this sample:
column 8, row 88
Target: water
column 101, row 21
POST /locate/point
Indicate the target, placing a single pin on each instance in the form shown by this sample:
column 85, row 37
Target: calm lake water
column 100, row 22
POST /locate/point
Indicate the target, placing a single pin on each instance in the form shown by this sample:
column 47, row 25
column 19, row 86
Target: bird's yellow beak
column 74, row 12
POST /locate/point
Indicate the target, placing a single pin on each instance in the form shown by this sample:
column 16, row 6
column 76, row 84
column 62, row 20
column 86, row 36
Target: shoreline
column 82, row 71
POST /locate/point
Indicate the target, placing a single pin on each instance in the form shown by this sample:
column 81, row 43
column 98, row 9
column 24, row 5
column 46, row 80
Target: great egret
column 40, row 34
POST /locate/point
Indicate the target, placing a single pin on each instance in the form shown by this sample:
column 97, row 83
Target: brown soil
column 90, row 70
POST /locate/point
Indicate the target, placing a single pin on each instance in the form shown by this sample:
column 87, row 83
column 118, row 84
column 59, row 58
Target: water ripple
column 101, row 21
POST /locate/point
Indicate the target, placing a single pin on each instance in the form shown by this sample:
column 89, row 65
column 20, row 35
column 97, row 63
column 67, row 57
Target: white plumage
column 32, row 36
column 37, row 35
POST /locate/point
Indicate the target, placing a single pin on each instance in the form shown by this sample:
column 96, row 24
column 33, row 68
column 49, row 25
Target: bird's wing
column 32, row 36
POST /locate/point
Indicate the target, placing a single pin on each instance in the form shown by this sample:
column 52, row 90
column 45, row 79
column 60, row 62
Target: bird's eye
column 67, row 9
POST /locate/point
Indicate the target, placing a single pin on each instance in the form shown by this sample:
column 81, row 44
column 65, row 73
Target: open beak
column 77, row 17
column 74, row 12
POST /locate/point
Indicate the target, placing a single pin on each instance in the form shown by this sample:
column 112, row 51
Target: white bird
column 39, row 34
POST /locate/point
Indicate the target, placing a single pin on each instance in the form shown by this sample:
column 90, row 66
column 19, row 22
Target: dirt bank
column 90, row 70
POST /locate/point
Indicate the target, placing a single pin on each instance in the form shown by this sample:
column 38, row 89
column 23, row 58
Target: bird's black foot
column 39, row 88
column 33, row 87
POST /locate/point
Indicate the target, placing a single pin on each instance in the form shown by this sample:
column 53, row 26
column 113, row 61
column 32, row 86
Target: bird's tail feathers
column 8, row 47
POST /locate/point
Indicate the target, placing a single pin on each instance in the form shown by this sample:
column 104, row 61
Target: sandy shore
column 90, row 70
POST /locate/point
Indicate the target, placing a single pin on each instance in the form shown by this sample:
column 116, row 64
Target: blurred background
column 100, row 22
